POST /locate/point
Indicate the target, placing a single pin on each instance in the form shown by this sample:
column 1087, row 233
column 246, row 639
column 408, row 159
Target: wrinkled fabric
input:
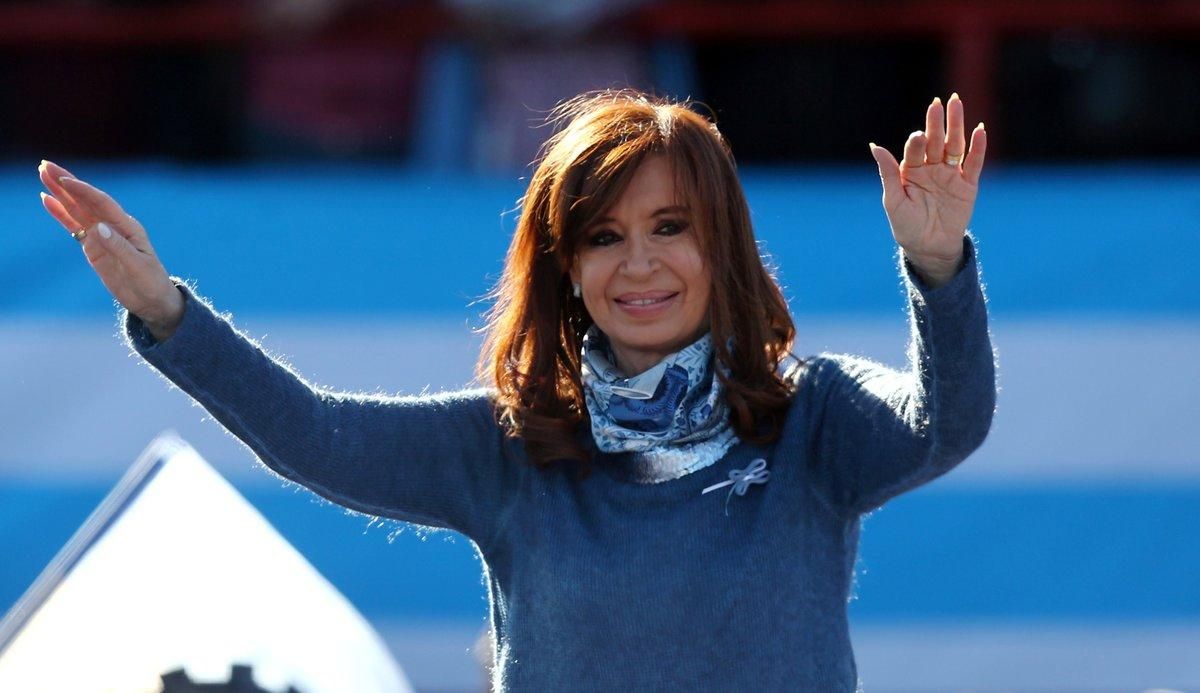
column 673, row 417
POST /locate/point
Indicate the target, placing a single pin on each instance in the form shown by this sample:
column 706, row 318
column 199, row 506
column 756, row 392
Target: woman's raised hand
column 929, row 195
column 117, row 247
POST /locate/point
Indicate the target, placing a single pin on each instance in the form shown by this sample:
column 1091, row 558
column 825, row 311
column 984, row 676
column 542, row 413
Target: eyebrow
column 673, row 209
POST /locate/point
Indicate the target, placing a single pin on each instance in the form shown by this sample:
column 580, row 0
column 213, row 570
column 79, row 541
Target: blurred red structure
column 968, row 30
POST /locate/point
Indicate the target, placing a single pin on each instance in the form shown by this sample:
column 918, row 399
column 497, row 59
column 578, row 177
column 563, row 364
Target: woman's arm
column 438, row 460
column 881, row 432
column 434, row 460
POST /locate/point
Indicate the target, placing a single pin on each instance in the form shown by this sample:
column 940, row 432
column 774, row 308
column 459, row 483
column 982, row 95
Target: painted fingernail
column 103, row 230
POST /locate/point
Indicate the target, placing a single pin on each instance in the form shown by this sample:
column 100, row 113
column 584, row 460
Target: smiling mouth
column 648, row 301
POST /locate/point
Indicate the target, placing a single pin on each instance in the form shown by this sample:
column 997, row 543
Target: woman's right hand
column 124, row 259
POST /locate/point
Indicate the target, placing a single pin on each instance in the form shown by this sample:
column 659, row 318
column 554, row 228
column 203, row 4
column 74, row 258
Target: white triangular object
column 175, row 570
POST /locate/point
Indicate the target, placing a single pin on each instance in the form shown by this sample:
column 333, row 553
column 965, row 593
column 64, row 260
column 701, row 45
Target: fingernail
column 955, row 96
column 103, row 230
column 61, row 179
column 937, row 100
column 44, row 195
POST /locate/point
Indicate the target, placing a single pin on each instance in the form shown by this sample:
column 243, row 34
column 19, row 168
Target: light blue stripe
column 362, row 240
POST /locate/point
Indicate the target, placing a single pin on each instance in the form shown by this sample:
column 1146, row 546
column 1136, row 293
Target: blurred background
column 342, row 175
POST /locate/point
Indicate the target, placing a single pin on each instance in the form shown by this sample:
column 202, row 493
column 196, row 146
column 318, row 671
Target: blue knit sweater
column 607, row 584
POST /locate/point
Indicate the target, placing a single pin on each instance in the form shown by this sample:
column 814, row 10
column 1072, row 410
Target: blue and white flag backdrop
column 1063, row 555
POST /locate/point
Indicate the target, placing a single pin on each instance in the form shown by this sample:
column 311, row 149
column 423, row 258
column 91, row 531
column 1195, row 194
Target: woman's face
column 642, row 272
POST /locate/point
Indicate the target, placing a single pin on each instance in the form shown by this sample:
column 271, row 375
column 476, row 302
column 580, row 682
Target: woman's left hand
column 930, row 195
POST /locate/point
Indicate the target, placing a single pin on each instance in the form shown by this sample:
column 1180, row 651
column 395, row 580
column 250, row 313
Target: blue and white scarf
column 673, row 417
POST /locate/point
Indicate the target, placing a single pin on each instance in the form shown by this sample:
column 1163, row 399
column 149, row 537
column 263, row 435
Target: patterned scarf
column 673, row 417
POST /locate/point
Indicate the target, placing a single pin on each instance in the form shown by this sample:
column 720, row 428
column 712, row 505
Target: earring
column 578, row 291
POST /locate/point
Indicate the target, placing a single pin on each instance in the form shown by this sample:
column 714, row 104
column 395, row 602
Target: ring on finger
column 80, row 234
column 953, row 160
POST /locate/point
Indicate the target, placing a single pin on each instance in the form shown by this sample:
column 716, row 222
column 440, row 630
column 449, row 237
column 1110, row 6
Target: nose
column 641, row 258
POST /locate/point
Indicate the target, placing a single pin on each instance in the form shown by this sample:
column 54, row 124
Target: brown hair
column 535, row 328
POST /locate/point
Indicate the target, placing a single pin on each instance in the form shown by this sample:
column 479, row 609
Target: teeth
column 646, row 301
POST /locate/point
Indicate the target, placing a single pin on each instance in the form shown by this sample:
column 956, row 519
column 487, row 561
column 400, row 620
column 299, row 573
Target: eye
column 602, row 238
column 672, row 228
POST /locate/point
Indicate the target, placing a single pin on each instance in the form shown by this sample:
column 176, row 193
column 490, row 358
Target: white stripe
column 1029, row 656
column 1080, row 400
column 895, row 658
column 78, row 405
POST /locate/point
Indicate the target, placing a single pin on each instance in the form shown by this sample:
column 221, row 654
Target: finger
column 914, row 150
column 102, row 207
column 935, row 132
column 49, row 173
column 973, row 165
column 60, row 213
column 956, row 142
column 889, row 173
column 110, row 241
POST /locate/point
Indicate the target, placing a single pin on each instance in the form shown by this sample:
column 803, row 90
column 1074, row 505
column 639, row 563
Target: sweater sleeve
column 882, row 432
column 438, row 460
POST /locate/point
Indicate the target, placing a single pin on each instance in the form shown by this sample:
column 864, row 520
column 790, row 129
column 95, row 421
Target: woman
column 637, row 334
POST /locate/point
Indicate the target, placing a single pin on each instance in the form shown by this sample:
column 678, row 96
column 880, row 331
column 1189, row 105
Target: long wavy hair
column 535, row 328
